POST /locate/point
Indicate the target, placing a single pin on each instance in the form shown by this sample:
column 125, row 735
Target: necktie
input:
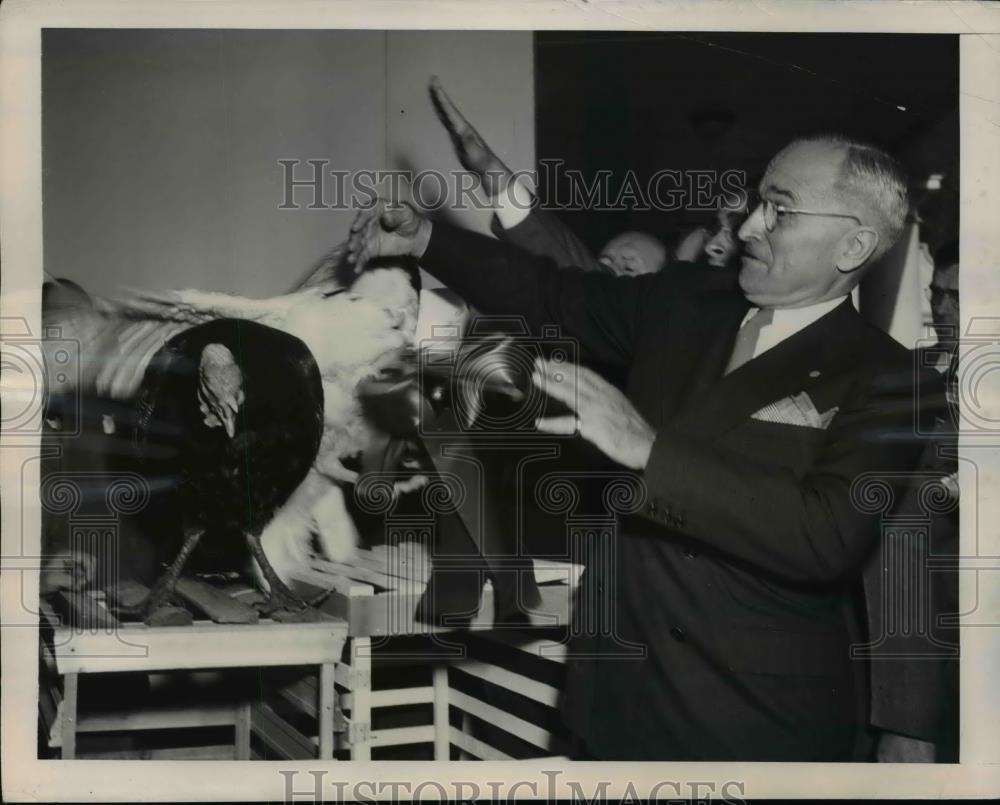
column 746, row 338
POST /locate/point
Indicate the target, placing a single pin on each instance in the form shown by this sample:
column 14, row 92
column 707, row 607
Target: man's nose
column 753, row 227
column 715, row 250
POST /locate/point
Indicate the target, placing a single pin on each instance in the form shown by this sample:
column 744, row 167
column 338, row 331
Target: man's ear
column 857, row 248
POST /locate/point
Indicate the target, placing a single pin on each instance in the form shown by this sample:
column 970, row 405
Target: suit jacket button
column 689, row 553
column 677, row 633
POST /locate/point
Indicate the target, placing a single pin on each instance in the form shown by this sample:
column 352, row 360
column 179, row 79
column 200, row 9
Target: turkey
column 229, row 421
column 351, row 326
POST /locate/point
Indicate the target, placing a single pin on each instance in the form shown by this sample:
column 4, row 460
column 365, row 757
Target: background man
column 733, row 576
column 914, row 667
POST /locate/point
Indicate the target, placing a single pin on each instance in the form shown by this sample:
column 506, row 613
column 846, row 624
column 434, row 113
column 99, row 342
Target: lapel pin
column 814, row 373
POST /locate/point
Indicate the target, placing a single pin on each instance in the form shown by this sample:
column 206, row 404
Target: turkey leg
column 165, row 584
column 279, row 597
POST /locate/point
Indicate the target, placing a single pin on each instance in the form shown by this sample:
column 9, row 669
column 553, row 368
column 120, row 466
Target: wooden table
column 377, row 594
column 203, row 645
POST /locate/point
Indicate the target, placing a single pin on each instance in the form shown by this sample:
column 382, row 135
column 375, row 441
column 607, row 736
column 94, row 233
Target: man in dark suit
column 728, row 587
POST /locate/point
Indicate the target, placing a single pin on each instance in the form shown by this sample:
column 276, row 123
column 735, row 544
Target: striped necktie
column 746, row 338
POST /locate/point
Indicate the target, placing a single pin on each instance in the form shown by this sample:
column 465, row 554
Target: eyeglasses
column 772, row 211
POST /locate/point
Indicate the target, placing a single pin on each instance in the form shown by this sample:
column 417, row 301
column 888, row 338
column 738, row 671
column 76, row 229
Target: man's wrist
column 513, row 204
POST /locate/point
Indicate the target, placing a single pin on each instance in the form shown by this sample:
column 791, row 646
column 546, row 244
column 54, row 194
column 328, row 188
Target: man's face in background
column 633, row 253
column 944, row 302
column 723, row 247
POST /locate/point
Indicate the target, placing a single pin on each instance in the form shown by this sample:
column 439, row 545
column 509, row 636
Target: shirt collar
column 787, row 321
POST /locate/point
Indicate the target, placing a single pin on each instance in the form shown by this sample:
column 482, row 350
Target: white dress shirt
column 788, row 321
column 513, row 204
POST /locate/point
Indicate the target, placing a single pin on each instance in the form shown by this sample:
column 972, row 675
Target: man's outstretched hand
column 602, row 414
column 472, row 151
column 387, row 230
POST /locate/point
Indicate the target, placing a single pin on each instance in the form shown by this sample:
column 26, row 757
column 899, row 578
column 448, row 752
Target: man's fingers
column 557, row 425
column 556, row 384
column 587, row 382
column 365, row 217
column 452, row 118
column 570, row 383
column 395, row 217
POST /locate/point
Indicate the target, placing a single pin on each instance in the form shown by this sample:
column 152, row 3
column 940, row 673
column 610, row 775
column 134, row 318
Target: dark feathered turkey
column 229, row 422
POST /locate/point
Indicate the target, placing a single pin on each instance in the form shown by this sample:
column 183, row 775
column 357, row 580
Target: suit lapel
column 698, row 345
column 718, row 403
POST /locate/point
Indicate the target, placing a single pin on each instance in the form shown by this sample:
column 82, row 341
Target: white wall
column 161, row 147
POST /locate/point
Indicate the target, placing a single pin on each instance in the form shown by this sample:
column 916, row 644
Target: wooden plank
column 550, row 570
column 67, row 727
column 532, row 733
column 359, row 731
column 401, row 736
column 402, row 696
column 475, row 747
column 281, row 736
column 211, row 752
column 126, row 593
column 169, row 615
column 395, row 697
column 303, row 694
column 442, row 748
column 327, row 701
column 214, row 603
column 516, row 683
column 158, row 718
column 82, row 611
column 521, row 641
column 199, row 646
column 383, row 615
column 306, row 615
column 244, row 726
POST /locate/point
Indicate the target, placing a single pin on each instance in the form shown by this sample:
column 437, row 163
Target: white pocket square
column 796, row 410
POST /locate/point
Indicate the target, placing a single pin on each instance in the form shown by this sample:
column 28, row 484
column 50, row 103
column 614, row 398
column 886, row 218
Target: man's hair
column 875, row 181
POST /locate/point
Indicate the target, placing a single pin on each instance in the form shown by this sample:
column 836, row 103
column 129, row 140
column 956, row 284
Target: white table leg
column 69, row 706
column 360, row 731
column 442, row 730
column 327, row 699
column 241, row 749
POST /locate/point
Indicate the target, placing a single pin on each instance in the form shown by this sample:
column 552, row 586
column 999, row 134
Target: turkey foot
column 163, row 590
column 279, row 597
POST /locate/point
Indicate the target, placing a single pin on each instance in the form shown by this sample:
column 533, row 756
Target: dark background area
column 646, row 102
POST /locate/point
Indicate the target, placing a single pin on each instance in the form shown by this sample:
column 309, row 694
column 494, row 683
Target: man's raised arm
column 516, row 219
